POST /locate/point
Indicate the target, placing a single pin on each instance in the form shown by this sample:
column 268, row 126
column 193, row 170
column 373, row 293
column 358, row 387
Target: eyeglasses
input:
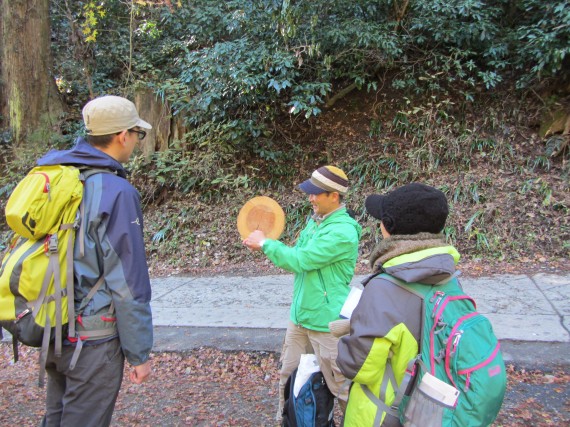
column 140, row 133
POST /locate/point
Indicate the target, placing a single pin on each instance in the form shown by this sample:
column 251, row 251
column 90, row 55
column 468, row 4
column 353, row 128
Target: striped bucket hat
column 326, row 179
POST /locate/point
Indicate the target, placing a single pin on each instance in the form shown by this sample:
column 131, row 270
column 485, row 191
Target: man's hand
column 140, row 373
column 253, row 241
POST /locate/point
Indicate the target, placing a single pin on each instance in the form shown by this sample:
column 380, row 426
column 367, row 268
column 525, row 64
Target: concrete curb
column 530, row 355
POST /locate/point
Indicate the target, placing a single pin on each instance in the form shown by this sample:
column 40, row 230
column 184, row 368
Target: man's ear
column 122, row 137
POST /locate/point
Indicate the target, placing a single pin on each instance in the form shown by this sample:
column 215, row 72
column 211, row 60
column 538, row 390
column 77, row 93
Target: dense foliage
column 248, row 81
column 245, row 63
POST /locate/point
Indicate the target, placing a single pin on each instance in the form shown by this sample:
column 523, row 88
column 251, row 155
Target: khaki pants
column 298, row 341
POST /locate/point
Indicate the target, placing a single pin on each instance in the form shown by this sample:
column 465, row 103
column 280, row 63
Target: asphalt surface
column 530, row 314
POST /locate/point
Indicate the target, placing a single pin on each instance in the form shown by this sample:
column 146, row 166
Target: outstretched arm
column 255, row 240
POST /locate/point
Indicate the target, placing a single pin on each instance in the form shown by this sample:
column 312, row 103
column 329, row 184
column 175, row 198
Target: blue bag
column 314, row 405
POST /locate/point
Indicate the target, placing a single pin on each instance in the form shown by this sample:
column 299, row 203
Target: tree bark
column 33, row 106
column 158, row 115
column 2, row 92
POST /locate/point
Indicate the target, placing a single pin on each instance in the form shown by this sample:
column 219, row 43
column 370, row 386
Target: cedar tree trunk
column 32, row 105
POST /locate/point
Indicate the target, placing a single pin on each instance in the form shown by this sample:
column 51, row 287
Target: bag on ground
column 312, row 407
column 460, row 377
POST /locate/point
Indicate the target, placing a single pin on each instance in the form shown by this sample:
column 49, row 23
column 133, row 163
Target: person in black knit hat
column 384, row 326
column 411, row 209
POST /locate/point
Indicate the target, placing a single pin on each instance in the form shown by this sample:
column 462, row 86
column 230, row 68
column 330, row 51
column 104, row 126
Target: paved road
column 530, row 314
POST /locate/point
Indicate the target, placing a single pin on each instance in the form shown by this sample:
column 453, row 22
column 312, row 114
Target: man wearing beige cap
column 111, row 283
column 323, row 261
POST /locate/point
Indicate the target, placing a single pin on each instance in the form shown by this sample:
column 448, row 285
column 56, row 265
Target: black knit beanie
column 411, row 209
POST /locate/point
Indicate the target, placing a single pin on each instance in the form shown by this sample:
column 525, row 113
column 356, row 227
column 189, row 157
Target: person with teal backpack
column 418, row 352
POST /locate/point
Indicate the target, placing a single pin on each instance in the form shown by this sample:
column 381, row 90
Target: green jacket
column 323, row 260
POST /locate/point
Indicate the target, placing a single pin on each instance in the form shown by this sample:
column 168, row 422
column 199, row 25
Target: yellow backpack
column 36, row 274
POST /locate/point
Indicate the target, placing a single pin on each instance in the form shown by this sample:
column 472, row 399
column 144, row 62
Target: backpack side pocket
column 429, row 402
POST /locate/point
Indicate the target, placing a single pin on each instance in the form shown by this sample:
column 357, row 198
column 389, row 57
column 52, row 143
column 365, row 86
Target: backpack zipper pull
column 441, row 326
column 467, row 382
column 456, row 339
column 47, row 186
column 438, row 296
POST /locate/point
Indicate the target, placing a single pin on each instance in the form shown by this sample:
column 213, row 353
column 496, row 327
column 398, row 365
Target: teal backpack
column 459, row 377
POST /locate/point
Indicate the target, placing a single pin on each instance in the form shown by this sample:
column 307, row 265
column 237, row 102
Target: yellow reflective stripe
column 361, row 410
column 419, row 255
column 372, row 370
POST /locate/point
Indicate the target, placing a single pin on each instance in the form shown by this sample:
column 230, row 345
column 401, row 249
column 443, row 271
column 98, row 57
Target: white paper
column 351, row 302
column 307, row 366
column 439, row 390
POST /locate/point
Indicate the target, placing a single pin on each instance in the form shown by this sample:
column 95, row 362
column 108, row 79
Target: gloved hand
column 340, row 327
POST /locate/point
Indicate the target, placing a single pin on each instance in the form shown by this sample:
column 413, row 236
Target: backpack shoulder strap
column 392, row 410
column 402, row 285
column 417, row 361
column 86, row 172
column 411, row 368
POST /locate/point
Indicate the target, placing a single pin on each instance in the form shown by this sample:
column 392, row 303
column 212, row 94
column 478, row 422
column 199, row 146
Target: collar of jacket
column 83, row 154
column 318, row 219
column 431, row 266
column 392, row 250
column 422, row 254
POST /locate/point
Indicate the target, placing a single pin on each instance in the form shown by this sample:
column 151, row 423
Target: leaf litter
column 210, row 387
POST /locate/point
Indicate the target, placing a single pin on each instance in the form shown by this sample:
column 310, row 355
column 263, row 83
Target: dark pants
column 86, row 395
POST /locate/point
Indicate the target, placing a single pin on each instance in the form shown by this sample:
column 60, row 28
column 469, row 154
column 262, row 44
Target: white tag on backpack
column 439, row 390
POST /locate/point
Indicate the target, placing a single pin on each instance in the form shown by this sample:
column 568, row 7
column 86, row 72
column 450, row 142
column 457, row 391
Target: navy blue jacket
column 114, row 246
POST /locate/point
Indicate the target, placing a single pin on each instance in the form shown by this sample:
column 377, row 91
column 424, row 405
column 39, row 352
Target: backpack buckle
column 52, row 243
column 77, row 221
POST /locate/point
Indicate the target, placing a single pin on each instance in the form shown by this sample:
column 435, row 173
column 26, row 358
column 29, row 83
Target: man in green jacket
column 323, row 261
